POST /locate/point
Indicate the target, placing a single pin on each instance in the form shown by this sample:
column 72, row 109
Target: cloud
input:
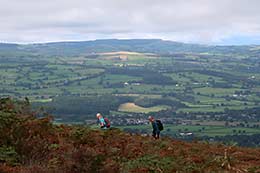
column 199, row 21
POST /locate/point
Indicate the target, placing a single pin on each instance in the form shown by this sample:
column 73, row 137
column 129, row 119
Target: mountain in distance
column 157, row 46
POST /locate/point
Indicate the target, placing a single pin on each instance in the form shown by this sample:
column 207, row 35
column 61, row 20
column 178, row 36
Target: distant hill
column 112, row 45
column 4, row 46
column 157, row 46
column 28, row 144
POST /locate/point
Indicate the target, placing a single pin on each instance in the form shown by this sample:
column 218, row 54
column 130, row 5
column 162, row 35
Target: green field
column 211, row 131
column 183, row 84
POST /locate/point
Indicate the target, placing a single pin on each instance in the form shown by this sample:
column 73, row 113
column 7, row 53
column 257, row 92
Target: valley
column 207, row 86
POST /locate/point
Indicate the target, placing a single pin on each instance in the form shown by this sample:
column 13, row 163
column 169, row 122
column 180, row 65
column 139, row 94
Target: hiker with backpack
column 157, row 127
column 103, row 122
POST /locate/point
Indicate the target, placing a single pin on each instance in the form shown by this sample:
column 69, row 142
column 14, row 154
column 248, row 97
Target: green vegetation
column 197, row 130
column 175, row 82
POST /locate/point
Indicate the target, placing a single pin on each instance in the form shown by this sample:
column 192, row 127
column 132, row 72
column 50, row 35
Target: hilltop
column 30, row 144
column 157, row 46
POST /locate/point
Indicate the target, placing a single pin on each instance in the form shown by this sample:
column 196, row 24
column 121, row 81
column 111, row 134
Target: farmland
column 197, row 130
column 132, row 107
column 127, row 85
column 200, row 91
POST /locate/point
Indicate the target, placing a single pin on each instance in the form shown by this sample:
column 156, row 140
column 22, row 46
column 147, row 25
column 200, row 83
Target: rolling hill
column 157, row 46
column 28, row 144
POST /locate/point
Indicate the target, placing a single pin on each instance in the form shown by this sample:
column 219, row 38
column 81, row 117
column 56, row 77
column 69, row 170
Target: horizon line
column 123, row 39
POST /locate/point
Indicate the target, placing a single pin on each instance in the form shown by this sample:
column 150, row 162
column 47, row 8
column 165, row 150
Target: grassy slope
column 28, row 144
column 114, row 151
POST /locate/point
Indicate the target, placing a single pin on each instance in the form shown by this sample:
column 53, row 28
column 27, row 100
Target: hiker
column 103, row 122
column 157, row 127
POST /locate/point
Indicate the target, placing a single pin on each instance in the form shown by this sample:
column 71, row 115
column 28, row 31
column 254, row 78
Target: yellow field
column 131, row 107
column 41, row 100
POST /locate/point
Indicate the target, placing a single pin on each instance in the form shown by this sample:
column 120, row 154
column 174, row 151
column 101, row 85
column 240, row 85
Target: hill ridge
column 30, row 144
column 158, row 46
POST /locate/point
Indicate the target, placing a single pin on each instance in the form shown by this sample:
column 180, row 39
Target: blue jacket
column 155, row 127
column 102, row 122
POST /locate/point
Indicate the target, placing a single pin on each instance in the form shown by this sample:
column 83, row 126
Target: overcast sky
column 194, row 21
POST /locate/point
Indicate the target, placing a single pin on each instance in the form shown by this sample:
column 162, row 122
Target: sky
column 221, row 22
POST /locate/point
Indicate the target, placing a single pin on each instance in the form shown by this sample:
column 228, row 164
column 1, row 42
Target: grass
column 211, row 131
column 208, row 108
column 216, row 91
column 151, row 96
column 178, row 78
column 131, row 107
column 120, row 78
column 42, row 100
column 202, row 77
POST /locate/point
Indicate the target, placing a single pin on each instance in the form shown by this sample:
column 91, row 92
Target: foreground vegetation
column 32, row 145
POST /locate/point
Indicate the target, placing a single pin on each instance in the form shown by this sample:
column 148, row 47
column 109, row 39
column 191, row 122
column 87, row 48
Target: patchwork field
column 126, row 82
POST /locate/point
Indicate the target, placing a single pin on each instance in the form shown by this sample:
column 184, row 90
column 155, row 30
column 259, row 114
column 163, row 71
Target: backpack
column 107, row 122
column 159, row 124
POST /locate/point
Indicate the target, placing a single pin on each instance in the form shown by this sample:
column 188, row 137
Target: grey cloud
column 204, row 21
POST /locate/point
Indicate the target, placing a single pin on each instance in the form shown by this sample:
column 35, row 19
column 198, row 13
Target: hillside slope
column 157, row 46
column 28, row 144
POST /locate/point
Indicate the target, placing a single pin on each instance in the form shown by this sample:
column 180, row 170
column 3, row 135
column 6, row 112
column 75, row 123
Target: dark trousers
column 156, row 134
